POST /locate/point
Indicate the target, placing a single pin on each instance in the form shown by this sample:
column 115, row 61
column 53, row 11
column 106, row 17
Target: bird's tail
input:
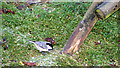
column 31, row 41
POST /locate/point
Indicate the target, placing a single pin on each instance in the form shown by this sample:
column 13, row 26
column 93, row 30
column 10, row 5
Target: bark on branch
column 83, row 28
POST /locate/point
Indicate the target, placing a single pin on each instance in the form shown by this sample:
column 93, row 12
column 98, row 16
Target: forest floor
column 58, row 21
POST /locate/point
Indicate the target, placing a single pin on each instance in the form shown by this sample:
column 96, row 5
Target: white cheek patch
column 49, row 47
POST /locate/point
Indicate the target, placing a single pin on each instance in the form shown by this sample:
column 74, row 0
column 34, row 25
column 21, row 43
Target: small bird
column 43, row 46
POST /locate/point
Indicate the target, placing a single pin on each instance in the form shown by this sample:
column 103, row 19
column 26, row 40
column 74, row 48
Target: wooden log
column 82, row 30
column 107, row 8
column 85, row 26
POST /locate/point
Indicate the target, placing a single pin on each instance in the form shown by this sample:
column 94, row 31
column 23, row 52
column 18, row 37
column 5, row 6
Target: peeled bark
column 82, row 30
column 87, row 23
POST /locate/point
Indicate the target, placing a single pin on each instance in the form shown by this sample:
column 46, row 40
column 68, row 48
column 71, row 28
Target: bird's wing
column 42, row 44
column 44, row 47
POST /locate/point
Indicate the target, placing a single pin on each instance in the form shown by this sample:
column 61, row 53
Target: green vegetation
column 58, row 21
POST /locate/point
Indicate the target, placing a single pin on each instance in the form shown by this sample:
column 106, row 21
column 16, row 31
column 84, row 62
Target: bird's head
column 50, row 44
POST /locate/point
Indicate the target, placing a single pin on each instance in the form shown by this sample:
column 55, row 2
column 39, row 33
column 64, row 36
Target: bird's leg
column 44, row 53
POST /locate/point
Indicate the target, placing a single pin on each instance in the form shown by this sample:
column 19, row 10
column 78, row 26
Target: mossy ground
column 58, row 21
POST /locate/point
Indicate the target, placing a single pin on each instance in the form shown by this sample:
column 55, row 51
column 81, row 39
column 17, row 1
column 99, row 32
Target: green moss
column 58, row 22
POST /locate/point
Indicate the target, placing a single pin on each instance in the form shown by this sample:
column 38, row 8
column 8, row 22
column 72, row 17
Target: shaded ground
column 57, row 20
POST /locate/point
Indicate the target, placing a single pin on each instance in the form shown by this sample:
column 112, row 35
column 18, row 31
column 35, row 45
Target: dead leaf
column 0, row 43
column 30, row 63
column 50, row 40
column 97, row 43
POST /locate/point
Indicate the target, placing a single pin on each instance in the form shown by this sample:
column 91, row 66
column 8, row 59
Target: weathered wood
column 107, row 8
column 82, row 30
column 85, row 26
